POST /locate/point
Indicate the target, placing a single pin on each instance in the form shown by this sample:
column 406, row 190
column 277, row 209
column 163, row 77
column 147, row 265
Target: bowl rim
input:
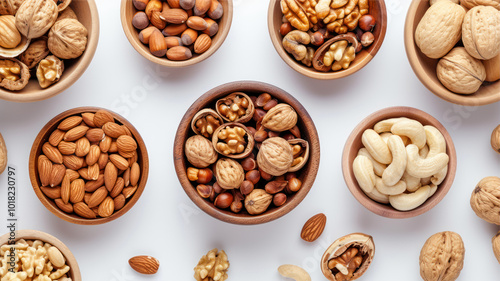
column 311, row 72
column 223, row 90
column 425, row 78
column 386, row 210
column 37, row 143
column 137, row 45
column 80, row 67
column 29, row 234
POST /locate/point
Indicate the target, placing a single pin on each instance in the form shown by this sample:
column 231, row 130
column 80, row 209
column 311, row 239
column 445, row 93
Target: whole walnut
column 280, row 118
column 459, row 72
column 35, row 17
column 442, row 257
column 68, row 39
column 469, row 4
column 481, row 32
column 496, row 246
column 275, row 156
column 200, row 151
column 229, row 173
column 9, row 7
column 36, row 52
column 485, row 200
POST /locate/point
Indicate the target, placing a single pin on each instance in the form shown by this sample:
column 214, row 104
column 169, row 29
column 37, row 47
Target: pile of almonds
column 177, row 28
column 89, row 165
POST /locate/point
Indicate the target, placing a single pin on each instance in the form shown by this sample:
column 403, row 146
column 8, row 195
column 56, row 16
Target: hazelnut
column 262, row 99
column 236, row 206
column 294, row 185
column 259, row 114
column 367, row 22
column 204, row 190
column 140, row 4
column 285, row 28
column 253, row 176
column 217, row 188
column 204, row 176
column 260, row 135
column 223, row 200
column 265, row 176
column 246, row 187
column 270, row 104
column 276, row 186
column 367, row 39
column 192, row 174
column 317, row 38
column 249, row 164
column 140, row 20
column 279, row 199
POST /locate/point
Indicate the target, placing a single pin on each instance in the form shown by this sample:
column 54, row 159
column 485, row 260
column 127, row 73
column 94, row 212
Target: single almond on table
column 144, row 264
column 313, row 227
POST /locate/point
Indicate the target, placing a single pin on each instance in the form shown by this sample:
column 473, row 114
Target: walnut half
column 212, row 267
column 49, row 71
column 14, row 75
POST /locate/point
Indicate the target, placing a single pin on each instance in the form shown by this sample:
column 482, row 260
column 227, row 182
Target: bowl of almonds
column 45, row 46
column 327, row 39
column 399, row 162
column 176, row 33
column 46, row 251
column 88, row 165
column 246, row 152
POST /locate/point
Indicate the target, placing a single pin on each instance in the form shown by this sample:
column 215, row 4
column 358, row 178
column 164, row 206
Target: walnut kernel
column 49, row 71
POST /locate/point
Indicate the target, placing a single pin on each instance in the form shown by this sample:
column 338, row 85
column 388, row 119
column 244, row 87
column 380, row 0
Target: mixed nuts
column 326, row 34
column 251, row 162
column 35, row 37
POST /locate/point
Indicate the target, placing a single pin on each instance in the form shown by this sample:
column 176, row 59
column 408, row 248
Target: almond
column 52, row 153
column 93, row 155
column 103, row 160
column 76, row 133
column 66, row 148
column 110, row 175
column 113, row 148
column 119, row 202
column 56, row 137
column 157, row 44
column 88, row 118
column 77, row 191
column 106, row 208
column 82, row 147
column 73, row 175
column 202, row 43
column 86, row 198
column 91, row 186
column 84, row 173
column 57, row 174
column 102, row 117
column 144, row 264
column 69, row 123
column 126, row 177
column 175, row 16
column 156, row 20
column 179, row 53
column 127, row 130
column 129, row 191
column 97, row 197
column 95, row 134
column 197, row 23
column 117, row 189
column 174, row 29
column 65, row 189
column 135, row 173
column 51, row 192
column 132, row 159
column 65, row 207
column 105, row 144
column 201, row 7
column 126, row 143
column 83, row 210
column 120, row 162
column 93, row 171
column 73, row 162
column 313, row 227
column 44, row 169
column 126, row 154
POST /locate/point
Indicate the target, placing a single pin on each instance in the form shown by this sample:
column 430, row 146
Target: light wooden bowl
column 353, row 144
column 274, row 21
column 307, row 174
column 425, row 68
column 36, row 150
column 74, row 272
column 127, row 12
column 73, row 69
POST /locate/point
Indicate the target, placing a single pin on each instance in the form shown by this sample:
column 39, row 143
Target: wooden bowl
column 425, row 68
column 274, row 21
column 353, row 144
column 74, row 272
column 127, row 12
column 73, row 69
column 36, row 149
column 307, row 176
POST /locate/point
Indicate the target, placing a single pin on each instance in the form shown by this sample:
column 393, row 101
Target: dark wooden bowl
column 353, row 144
column 425, row 68
column 127, row 12
column 377, row 9
column 74, row 272
column 73, row 69
column 36, row 149
column 307, row 175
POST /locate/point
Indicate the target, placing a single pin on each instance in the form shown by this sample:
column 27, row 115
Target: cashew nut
column 433, row 189
column 377, row 196
column 425, row 181
column 435, row 141
column 396, row 189
column 294, row 43
column 412, row 129
column 396, row 169
column 410, row 201
column 386, row 125
column 363, row 172
column 412, row 183
column 377, row 148
column 424, row 151
column 295, row 272
column 378, row 168
column 385, row 136
column 422, row 168
column 438, row 178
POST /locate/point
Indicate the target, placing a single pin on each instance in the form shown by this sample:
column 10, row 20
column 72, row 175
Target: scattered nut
column 485, row 199
column 212, row 266
column 144, row 264
column 294, row 272
column 313, row 228
column 442, row 257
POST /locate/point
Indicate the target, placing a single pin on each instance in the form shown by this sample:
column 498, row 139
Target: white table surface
column 166, row 224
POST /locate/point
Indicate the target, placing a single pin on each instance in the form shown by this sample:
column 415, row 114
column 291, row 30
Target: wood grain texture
column 377, row 9
column 353, row 144
column 425, row 68
column 307, row 175
column 36, row 149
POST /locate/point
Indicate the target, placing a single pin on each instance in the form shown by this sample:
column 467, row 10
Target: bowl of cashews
column 399, row 162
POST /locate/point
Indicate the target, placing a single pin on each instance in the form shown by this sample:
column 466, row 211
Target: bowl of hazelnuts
column 246, row 152
column 327, row 39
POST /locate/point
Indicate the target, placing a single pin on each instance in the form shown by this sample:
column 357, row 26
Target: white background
column 166, row 224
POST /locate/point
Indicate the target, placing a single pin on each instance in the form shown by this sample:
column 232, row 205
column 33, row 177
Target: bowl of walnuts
column 327, row 39
column 176, row 33
column 246, row 152
column 45, row 46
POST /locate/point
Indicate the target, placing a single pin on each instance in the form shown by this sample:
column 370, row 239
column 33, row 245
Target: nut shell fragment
column 201, row 115
column 9, row 7
column 68, row 39
column 275, row 156
column 36, row 52
column 302, row 157
column 19, row 84
column 200, row 152
column 442, row 257
column 485, row 200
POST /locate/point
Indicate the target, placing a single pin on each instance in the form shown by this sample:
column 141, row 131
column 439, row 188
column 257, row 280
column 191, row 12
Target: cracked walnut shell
column 68, row 39
column 236, row 107
column 275, row 156
column 14, row 75
column 229, row 173
column 459, row 72
column 233, row 140
column 200, row 151
column 49, row 71
column 442, row 257
column 280, row 118
column 35, row 17
column 485, row 200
